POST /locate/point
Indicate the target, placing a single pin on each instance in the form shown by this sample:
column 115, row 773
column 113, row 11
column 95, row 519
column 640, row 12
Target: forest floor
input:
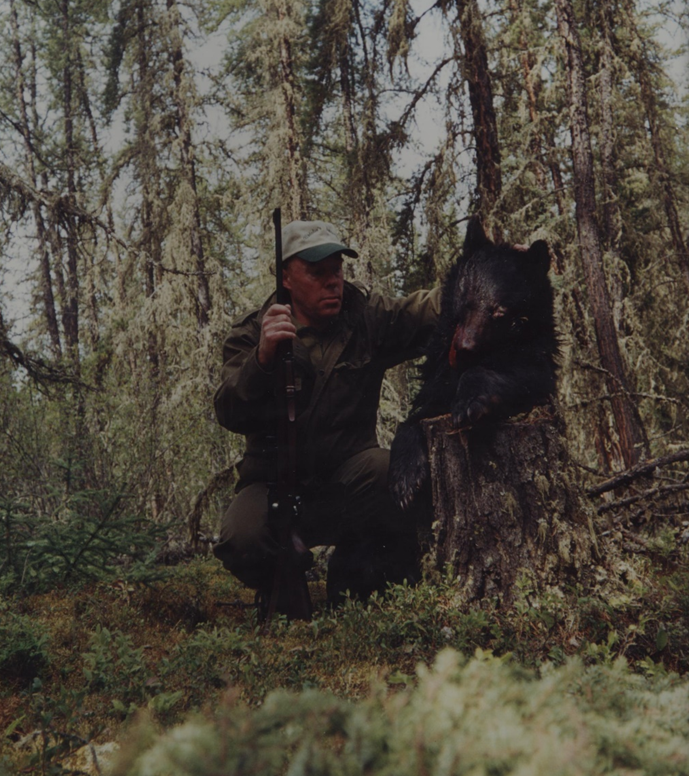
column 79, row 665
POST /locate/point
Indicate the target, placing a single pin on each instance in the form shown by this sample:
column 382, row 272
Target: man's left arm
column 404, row 325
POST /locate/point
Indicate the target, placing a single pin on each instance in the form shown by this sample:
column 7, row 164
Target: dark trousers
column 375, row 543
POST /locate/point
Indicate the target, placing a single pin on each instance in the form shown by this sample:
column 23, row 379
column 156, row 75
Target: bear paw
column 408, row 465
column 467, row 412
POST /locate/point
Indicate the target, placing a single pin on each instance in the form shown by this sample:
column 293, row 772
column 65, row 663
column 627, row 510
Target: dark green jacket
column 337, row 403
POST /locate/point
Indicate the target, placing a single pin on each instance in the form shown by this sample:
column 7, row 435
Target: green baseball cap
column 312, row 241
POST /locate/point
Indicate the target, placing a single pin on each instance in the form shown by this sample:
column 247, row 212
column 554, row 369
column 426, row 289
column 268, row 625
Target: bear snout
column 465, row 343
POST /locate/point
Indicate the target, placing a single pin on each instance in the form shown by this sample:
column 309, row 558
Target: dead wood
column 219, row 480
column 506, row 508
column 643, row 469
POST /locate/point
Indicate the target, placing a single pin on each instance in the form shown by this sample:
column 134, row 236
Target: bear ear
column 539, row 257
column 475, row 238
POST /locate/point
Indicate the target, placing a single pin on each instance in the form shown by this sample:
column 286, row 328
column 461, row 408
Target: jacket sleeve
column 404, row 325
column 243, row 400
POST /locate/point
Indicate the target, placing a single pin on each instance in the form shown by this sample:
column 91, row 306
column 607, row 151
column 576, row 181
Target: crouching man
column 343, row 342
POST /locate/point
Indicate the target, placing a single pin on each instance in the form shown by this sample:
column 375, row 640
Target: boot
column 369, row 566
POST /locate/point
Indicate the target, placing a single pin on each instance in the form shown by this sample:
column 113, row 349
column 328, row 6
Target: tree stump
column 506, row 508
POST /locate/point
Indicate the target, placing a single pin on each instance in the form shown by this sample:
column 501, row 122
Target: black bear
column 492, row 354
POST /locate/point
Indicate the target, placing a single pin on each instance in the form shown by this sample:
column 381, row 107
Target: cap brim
column 320, row 252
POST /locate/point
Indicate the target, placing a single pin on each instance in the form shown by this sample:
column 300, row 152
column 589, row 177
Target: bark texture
column 632, row 435
column 70, row 307
column 183, row 120
column 46, row 283
column 506, row 509
column 479, row 85
column 297, row 173
column 642, row 62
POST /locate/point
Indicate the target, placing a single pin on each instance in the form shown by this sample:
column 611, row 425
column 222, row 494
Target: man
column 343, row 342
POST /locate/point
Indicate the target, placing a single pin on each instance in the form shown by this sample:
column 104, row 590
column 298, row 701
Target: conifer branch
column 37, row 369
column 58, row 204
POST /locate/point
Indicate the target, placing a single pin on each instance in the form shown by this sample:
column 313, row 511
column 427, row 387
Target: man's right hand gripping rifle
column 289, row 591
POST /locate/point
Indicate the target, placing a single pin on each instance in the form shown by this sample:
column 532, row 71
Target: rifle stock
column 290, row 592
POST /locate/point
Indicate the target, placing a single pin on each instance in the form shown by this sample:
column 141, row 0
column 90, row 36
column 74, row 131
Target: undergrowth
column 482, row 716
column 88, row 535
column 79, row 664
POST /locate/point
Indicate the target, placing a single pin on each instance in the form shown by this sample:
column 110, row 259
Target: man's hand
column 277, row 326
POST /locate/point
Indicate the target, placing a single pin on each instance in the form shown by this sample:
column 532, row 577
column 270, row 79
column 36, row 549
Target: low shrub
column 23, row 648
column 92, row 536
column 482, row 716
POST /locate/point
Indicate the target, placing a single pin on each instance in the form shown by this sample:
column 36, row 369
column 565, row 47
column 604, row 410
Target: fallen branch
column 660, row 491
column 640, row 470
column 218, row 480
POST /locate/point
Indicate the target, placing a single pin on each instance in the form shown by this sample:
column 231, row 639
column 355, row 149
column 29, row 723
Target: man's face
column 315, row 288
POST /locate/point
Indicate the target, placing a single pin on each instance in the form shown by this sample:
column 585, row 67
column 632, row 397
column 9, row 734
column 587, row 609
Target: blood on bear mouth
column 464, row 347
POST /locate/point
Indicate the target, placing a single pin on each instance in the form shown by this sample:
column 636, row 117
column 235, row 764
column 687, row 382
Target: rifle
column 289, row 587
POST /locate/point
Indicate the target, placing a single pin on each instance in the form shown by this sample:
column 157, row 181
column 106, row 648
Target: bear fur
column 492, row 354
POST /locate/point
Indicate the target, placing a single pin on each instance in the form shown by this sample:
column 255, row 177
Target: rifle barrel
column 289, row 575
column 277, row 223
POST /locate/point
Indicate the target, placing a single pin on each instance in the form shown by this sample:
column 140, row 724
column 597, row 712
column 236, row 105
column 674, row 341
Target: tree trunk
column 505, row 510
column 660, row 171
column 611, row 212
column 297, row 176
column 188, row 165
column 543, row 147
column 477, row 74
column 43, row 252
column 150, row 241
column 89, row 256
column 70, row 312
column 532, row 87
column 359, row 184
column 633, row 440
column 612, row 218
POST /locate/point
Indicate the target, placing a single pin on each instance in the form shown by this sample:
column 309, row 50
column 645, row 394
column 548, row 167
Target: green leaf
column 661, row 640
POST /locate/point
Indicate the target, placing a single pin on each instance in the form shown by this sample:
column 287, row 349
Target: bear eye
column 499, row 312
